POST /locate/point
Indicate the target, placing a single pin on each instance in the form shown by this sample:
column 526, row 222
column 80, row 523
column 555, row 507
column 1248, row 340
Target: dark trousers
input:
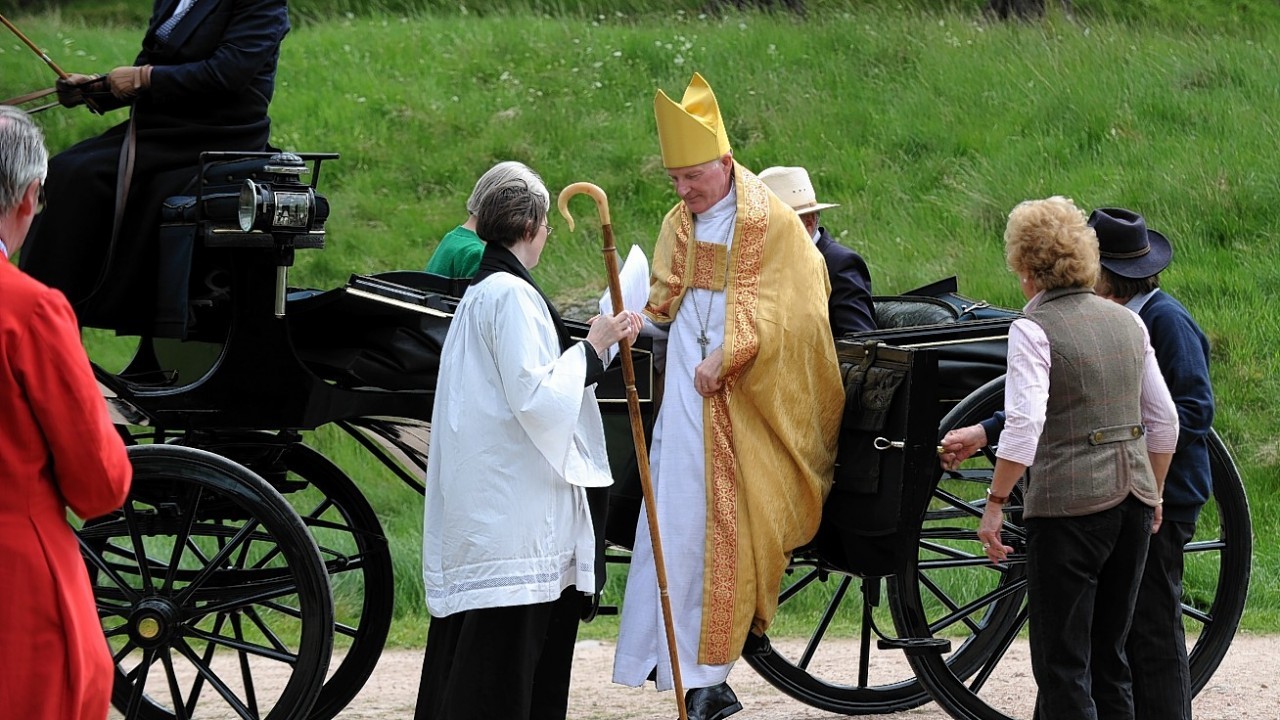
column 1157, row 645
column 511, row 662
column 1082, row 582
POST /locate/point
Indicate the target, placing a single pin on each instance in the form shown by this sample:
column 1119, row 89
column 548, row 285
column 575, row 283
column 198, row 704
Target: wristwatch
column 997, row 499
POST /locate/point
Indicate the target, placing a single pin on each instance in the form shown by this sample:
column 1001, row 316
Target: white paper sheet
column 634, row 279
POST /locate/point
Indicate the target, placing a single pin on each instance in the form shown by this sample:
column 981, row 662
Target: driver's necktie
column 167, row 27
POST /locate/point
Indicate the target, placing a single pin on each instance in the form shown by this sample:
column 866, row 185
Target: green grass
column 926, row 126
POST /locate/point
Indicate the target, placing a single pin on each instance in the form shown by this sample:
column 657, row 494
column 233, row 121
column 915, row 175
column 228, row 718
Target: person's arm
column 250, row 40
column 1183, row 358
column 1003, row 481
column 1026, row 392
column 90, row 465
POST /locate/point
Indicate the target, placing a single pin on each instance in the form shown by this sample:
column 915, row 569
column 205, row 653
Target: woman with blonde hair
column 1089, row 413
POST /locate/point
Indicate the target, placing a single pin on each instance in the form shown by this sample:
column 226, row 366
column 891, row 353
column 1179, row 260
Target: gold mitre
column 691, row 131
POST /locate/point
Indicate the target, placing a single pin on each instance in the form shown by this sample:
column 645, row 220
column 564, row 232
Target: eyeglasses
column 549, row 228
column 40, row 199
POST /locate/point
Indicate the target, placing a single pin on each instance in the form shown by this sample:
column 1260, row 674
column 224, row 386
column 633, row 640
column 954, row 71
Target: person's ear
column 32, row 199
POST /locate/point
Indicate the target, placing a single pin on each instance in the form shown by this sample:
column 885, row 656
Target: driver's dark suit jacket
column 212, row 81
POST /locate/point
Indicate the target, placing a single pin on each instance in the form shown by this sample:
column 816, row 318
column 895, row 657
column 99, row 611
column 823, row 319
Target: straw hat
column 792, row 186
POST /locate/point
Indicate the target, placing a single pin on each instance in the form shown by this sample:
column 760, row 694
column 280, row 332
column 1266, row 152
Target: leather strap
column 124, row 178
column 36, row 95
column 1115, row 433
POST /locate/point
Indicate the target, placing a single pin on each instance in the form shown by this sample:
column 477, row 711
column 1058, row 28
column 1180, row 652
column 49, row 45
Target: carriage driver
column 742, row 291
column 58, row 449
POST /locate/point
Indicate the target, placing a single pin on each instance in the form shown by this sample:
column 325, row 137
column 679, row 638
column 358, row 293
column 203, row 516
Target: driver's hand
column 71, row 89
column 126, row 82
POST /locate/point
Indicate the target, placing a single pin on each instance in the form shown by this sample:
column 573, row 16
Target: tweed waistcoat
column 1092, row 453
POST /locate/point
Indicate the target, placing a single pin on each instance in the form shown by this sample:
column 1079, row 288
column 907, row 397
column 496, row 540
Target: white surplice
column 680, row 494
column 515, row 436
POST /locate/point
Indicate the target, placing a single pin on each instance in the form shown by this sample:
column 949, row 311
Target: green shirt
column 457, row 255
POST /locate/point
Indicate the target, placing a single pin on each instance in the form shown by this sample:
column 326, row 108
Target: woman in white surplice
column 508, row 544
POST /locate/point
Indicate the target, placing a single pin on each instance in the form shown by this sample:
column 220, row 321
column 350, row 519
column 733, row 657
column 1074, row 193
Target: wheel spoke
column 231, row 603
column 123, row 652
column 997, row 654
column 823, row 623
column 175, row 692
column 1204, row 546
column 180, row 542
column 100, row 564
column 798, row 585
column 138, row 675
column 262, row 627
column 206, row 672
column 242, row 536
column 246, row 675
column 242, row 646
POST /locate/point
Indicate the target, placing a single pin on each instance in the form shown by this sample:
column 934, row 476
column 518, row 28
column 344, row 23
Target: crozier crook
column 633, row 407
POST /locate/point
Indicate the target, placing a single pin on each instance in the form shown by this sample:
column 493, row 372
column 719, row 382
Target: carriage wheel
column 950, row 587
column 211, row 592
column 820, row 600
column 824, row 600
column 352, row 546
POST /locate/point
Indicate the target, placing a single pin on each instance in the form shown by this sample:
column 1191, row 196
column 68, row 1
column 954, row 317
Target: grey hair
column 23, row 156
column 500, row 175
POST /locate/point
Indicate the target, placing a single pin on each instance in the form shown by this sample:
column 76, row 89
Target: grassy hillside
column 927, row 127
column 1236, row 14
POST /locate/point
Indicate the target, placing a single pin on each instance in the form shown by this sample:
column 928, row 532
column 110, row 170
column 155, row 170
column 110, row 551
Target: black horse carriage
column 243, row 552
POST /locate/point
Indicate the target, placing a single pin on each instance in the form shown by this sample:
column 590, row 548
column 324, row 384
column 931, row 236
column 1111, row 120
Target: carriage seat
column 903, row 312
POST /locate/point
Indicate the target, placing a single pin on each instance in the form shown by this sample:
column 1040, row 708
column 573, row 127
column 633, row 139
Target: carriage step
column 915, row 646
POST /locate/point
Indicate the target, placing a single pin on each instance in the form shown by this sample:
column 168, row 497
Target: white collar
column 1139, row 301
column 726, row 207
column 4, row 249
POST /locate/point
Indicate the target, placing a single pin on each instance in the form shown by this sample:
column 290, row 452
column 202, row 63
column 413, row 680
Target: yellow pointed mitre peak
column 690, row 131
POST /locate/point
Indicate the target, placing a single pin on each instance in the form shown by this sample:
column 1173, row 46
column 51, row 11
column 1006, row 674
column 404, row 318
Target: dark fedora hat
column 1127, row 246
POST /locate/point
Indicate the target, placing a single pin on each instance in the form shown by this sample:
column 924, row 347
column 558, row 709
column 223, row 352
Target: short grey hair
column 23, row 156
column 501, row 174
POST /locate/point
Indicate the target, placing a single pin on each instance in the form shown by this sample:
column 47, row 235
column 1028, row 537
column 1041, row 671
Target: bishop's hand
column 706, row 376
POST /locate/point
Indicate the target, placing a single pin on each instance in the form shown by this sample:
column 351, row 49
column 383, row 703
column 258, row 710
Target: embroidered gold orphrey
column 741, row 343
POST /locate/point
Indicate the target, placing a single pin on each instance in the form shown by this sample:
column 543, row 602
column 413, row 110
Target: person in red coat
column 58, row 450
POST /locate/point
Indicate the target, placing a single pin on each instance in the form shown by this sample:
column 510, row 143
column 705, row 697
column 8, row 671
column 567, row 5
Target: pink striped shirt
column 1026, row 393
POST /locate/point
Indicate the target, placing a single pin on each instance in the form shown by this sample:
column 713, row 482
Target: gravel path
column 1245, row 687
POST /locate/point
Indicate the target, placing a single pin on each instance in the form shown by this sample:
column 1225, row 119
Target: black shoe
column 711, row 703
column 756, row 645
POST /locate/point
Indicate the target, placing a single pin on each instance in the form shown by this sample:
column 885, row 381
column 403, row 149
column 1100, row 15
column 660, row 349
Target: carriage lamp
column 281, row 203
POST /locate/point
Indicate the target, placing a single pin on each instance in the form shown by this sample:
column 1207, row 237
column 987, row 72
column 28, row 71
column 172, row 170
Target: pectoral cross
column 704, row 341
